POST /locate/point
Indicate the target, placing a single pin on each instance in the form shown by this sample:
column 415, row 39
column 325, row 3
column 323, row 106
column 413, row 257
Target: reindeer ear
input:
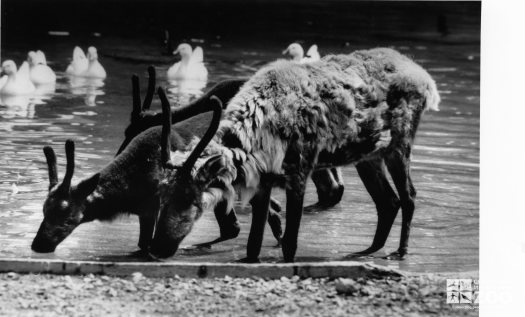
column 212, row 168
column 87, row 186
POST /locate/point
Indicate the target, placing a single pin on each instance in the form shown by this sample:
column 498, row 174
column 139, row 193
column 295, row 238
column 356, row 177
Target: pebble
column 347, row 286
column 136, row 277
column 48, row 295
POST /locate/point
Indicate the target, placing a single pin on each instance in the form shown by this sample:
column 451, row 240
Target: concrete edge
column 202, row 270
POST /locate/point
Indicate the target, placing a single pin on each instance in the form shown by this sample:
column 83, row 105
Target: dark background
column 236, row 20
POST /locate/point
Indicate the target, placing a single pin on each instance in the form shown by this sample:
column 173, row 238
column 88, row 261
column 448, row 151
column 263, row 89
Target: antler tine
column 166, row 128
column 151, row 88
column 51, row 160
column 216, row 107
column 70, row 164
column 136, row 97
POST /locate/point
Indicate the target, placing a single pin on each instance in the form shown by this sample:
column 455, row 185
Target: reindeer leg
column 147, row 223
column 260, row 205
column 330, row 189
column 229, row 227
column 294, row 210
column 274, row 220
column 398, row 163
column 373, row 175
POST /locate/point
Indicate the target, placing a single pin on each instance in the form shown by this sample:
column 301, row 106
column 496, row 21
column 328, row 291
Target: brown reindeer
column 289, row 120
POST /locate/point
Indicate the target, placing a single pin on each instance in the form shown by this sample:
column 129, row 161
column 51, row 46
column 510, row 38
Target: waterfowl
column 297, row 53
column 39, row 72
column 79, row 64
column 191, row 65
column 18, row 82
column 95, row 69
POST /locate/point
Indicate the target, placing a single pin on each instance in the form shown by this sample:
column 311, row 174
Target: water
column 445, row 169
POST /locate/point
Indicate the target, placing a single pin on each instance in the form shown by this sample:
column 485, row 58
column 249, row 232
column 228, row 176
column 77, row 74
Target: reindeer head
column 140, row 116
column 65, row 204
column 181, row 194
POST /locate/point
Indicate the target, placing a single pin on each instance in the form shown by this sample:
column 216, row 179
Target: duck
column 191, row 66
column 39, row 72
column 18, row 82
column 297, row 53
column 79, row 64
column 95, row 69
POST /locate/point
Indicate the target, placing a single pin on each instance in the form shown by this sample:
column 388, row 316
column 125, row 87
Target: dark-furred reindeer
column 127, row 185
column 291, row 119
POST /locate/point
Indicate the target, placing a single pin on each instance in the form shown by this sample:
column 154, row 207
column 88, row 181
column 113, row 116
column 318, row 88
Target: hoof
column 153, row 258
column 142, row 253
column 396, row 256
column 248, row 260
column 317, row 207
column 200, row 246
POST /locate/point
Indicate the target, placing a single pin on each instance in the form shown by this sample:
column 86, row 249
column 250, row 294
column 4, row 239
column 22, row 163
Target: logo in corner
column 462, row 291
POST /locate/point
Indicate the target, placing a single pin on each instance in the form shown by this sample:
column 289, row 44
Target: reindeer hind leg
column 398, row 163
column 373, row 175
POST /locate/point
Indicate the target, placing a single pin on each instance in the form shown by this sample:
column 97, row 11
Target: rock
column 136, row 277
column 12, row 275
column 347, row 286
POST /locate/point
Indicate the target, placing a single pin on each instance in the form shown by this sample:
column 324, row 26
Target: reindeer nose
column 157, row 252
column 43, row 246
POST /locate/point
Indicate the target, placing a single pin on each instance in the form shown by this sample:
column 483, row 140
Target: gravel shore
column 99, row 295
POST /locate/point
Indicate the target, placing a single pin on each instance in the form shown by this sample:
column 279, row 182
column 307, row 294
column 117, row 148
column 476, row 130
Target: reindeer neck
column 104, row 205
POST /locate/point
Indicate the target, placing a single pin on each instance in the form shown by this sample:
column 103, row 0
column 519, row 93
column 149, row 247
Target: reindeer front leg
column 330, row 188
column 294, row 211
column 260, row 206
column 229, row 227
column 147, row 223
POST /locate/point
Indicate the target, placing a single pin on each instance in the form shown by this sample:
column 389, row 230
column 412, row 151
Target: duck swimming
column 297, row 53
column 191, row 66
column 79, row 64
column 39, row 72
column 95, row 69
column 18, row 82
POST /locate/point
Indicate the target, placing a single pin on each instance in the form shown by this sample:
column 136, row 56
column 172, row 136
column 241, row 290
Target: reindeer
column 289, row 120
column 192, row 120
column 129, row 184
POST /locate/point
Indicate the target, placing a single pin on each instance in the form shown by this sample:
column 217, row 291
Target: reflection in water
column 24, row 105
column 183, row 90
column 89, row 87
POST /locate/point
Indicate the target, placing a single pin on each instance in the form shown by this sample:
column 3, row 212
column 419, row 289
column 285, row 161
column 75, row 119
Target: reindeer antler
column 216, row 107
column 166, row 128
column 51, row 160
column 137, row 108
column 70, row 165
column 135, row 90
column 151, row 88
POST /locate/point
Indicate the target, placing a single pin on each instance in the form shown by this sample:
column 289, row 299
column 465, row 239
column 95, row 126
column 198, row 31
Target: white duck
column 95, row 69
column 79, row 64
column 18, row 82
column 39, row 72
column 191, row 66
column 297, row 53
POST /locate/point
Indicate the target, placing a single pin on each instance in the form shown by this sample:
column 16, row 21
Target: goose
column 18, row 82
column 79, row 64
column 39, row 72
column 297, row 53
column 191, row 65
column 95, row 69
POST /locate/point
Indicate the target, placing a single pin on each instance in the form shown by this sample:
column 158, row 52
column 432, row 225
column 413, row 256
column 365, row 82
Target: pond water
column 445, row 234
